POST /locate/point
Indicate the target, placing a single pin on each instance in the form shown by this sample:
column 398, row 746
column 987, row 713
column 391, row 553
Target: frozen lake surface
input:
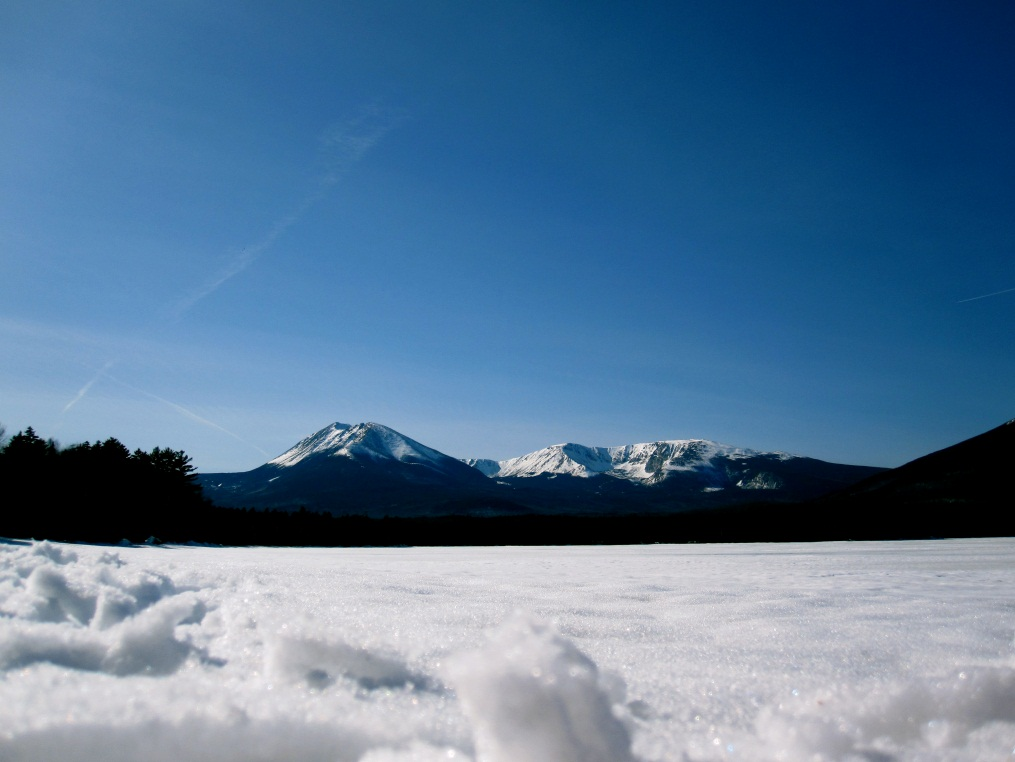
column 852, row 651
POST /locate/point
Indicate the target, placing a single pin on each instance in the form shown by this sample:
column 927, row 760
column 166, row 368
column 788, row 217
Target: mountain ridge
column 371, row 469
column 645, row 462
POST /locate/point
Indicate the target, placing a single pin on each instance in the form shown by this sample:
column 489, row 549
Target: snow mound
column 936, row 714
column 318, row 661
column 532, row 696
column 92, row 617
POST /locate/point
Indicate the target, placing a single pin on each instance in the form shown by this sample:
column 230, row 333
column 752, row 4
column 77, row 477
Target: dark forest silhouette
column 90, row 492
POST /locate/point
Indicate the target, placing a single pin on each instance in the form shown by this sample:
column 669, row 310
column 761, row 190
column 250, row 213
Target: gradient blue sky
column 496, row 226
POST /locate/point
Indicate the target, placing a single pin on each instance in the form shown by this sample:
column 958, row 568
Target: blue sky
column 498, row 226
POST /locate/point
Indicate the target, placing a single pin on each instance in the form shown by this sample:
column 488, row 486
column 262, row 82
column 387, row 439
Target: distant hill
column 962, row 490
column 369, row 469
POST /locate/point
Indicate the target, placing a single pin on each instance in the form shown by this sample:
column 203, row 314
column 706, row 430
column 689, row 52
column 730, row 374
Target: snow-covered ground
column 858, row 651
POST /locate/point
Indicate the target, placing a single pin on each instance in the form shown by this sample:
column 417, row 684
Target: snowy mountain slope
column 483, row 465
column 370, row 441
column 571, row 459
column 644, row 463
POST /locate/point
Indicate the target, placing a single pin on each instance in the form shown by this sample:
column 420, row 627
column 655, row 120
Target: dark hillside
column 960, row 491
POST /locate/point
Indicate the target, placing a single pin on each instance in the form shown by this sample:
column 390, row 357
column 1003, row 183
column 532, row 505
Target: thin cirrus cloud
column 56, row 340
column 43, row 333
column 984, row 296
column 344, row 144
column 184, row 411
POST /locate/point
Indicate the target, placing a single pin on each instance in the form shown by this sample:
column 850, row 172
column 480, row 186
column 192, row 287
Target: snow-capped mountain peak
column 647, row 462
column 362, row 440
column 572, row 459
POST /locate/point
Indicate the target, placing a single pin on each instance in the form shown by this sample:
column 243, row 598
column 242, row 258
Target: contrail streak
column 244, row 259
column 984, row 296
column 343, row 144
column 188, row 414
column 87, row 387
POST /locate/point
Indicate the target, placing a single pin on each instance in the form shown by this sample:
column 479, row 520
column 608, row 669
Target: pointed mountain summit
column 365, row 468
column 366, row 442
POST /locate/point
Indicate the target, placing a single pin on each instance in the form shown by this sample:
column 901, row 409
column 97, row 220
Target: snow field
column 852, row 651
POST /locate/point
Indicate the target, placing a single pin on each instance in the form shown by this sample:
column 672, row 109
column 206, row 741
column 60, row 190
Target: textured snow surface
column 838, row 651
column 364, row 440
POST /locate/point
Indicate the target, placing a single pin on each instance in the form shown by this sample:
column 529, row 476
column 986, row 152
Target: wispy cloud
column 343, row 145
column 87, row 387
column 43, row 333
column 186, row 413
column 346, row 142
column 59, row 341
column 984, row 296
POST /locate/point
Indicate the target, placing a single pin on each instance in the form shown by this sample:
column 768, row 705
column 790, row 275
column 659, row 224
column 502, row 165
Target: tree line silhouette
column 93, row 492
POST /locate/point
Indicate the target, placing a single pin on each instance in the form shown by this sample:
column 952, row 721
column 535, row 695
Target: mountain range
column 372, row 470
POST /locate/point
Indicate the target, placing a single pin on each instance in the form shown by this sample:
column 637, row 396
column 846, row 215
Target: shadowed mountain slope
column 371, row 470
column 974, row 471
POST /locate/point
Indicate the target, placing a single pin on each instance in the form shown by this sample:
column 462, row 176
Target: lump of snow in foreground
column 887, row 651
column 531, row 694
